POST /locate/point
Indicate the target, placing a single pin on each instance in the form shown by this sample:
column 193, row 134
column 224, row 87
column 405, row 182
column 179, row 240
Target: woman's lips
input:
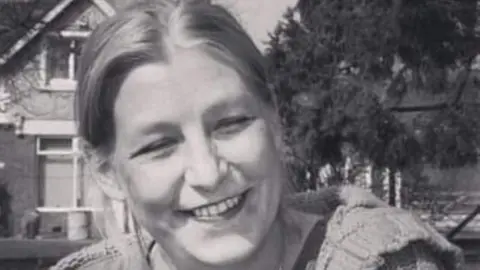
column 218, row 210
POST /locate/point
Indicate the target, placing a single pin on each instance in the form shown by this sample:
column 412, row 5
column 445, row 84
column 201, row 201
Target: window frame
column 74, row 153
column 60, row 84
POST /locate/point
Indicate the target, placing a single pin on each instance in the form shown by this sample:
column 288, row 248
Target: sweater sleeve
column 416, row 256
column 386, row 239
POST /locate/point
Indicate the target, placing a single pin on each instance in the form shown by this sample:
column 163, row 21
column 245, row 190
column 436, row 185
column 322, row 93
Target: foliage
column 345, row 72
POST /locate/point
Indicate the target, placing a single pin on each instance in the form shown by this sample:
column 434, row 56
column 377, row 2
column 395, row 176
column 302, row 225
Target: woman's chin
column 223, row 252
column 228, row 238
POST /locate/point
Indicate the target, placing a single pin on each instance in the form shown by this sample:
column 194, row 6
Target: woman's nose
column 206, row 169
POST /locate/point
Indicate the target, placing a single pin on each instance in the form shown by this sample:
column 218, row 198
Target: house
column 40, row 165
column 38, row 150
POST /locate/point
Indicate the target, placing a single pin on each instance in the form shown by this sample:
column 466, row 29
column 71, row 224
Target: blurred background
column 382, row 94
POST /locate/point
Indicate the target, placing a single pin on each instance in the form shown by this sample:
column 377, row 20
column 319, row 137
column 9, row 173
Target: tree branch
column 426, row 108
column 394, row 83
column 420, row 108
column 440, row 106
column 396, row 6
column 463, row 84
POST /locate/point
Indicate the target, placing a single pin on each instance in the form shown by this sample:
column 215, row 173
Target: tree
column 17, row 18
column 344, row 72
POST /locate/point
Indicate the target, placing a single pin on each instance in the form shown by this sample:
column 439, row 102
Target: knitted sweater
column 361, row 233
column 365, row 233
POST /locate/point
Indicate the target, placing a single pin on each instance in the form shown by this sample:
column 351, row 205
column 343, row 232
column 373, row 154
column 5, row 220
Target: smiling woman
column 179, row 123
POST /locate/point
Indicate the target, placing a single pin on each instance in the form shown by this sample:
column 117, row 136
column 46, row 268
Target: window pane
column 55, row 144
column 56, row 174
column 57, row 58
column 77, row 51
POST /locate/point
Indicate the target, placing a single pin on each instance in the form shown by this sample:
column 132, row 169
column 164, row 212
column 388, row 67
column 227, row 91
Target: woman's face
column 196, row 158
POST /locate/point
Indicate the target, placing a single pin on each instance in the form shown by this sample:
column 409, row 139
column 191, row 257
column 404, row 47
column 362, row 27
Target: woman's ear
column 104, row 175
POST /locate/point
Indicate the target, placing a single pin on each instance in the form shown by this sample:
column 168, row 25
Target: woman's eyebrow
column 154, row 128
column 239, row 102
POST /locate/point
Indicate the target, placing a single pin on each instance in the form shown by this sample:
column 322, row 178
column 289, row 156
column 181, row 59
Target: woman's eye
column 232, row 125
column 161, row 148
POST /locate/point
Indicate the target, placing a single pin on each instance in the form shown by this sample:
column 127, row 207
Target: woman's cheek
column 253, row 150
column 153, row 184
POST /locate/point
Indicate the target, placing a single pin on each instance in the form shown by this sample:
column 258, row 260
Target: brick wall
column 19, row 174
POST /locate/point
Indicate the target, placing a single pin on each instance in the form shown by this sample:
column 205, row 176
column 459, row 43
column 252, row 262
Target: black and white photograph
column 239, row 134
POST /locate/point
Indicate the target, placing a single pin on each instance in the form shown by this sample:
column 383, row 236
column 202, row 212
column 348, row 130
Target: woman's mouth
column 220, row 210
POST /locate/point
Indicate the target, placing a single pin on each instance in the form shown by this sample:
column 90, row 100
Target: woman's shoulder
column 362, row 235
column 361, row 230
column 106, row 254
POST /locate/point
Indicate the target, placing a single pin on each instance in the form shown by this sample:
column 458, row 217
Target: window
column 60, row 172
column 5, row 98
column 60, row 59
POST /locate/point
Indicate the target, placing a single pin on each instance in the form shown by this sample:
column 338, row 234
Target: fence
column 446, row 210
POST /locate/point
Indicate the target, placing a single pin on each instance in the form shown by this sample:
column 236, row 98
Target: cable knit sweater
column 361, row 233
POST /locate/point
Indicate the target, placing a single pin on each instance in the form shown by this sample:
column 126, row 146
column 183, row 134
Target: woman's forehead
column 191, row 83
column 190, row 72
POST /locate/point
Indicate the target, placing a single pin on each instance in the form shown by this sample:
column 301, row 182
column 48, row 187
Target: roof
column 22, row 20
column 17, row 17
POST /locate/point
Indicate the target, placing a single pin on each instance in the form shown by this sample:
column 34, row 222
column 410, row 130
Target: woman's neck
column 297, row 227
column 269, row 255
column 284, row 242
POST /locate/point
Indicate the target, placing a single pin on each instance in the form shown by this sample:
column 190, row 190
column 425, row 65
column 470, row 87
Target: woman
column 179, row 123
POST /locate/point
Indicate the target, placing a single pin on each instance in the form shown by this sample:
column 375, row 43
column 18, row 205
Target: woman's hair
column 151, row 32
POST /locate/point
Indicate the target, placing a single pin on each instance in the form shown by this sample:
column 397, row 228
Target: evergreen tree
column 345, row 71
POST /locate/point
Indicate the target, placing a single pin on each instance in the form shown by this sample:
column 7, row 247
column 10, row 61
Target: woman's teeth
column 216, row 209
